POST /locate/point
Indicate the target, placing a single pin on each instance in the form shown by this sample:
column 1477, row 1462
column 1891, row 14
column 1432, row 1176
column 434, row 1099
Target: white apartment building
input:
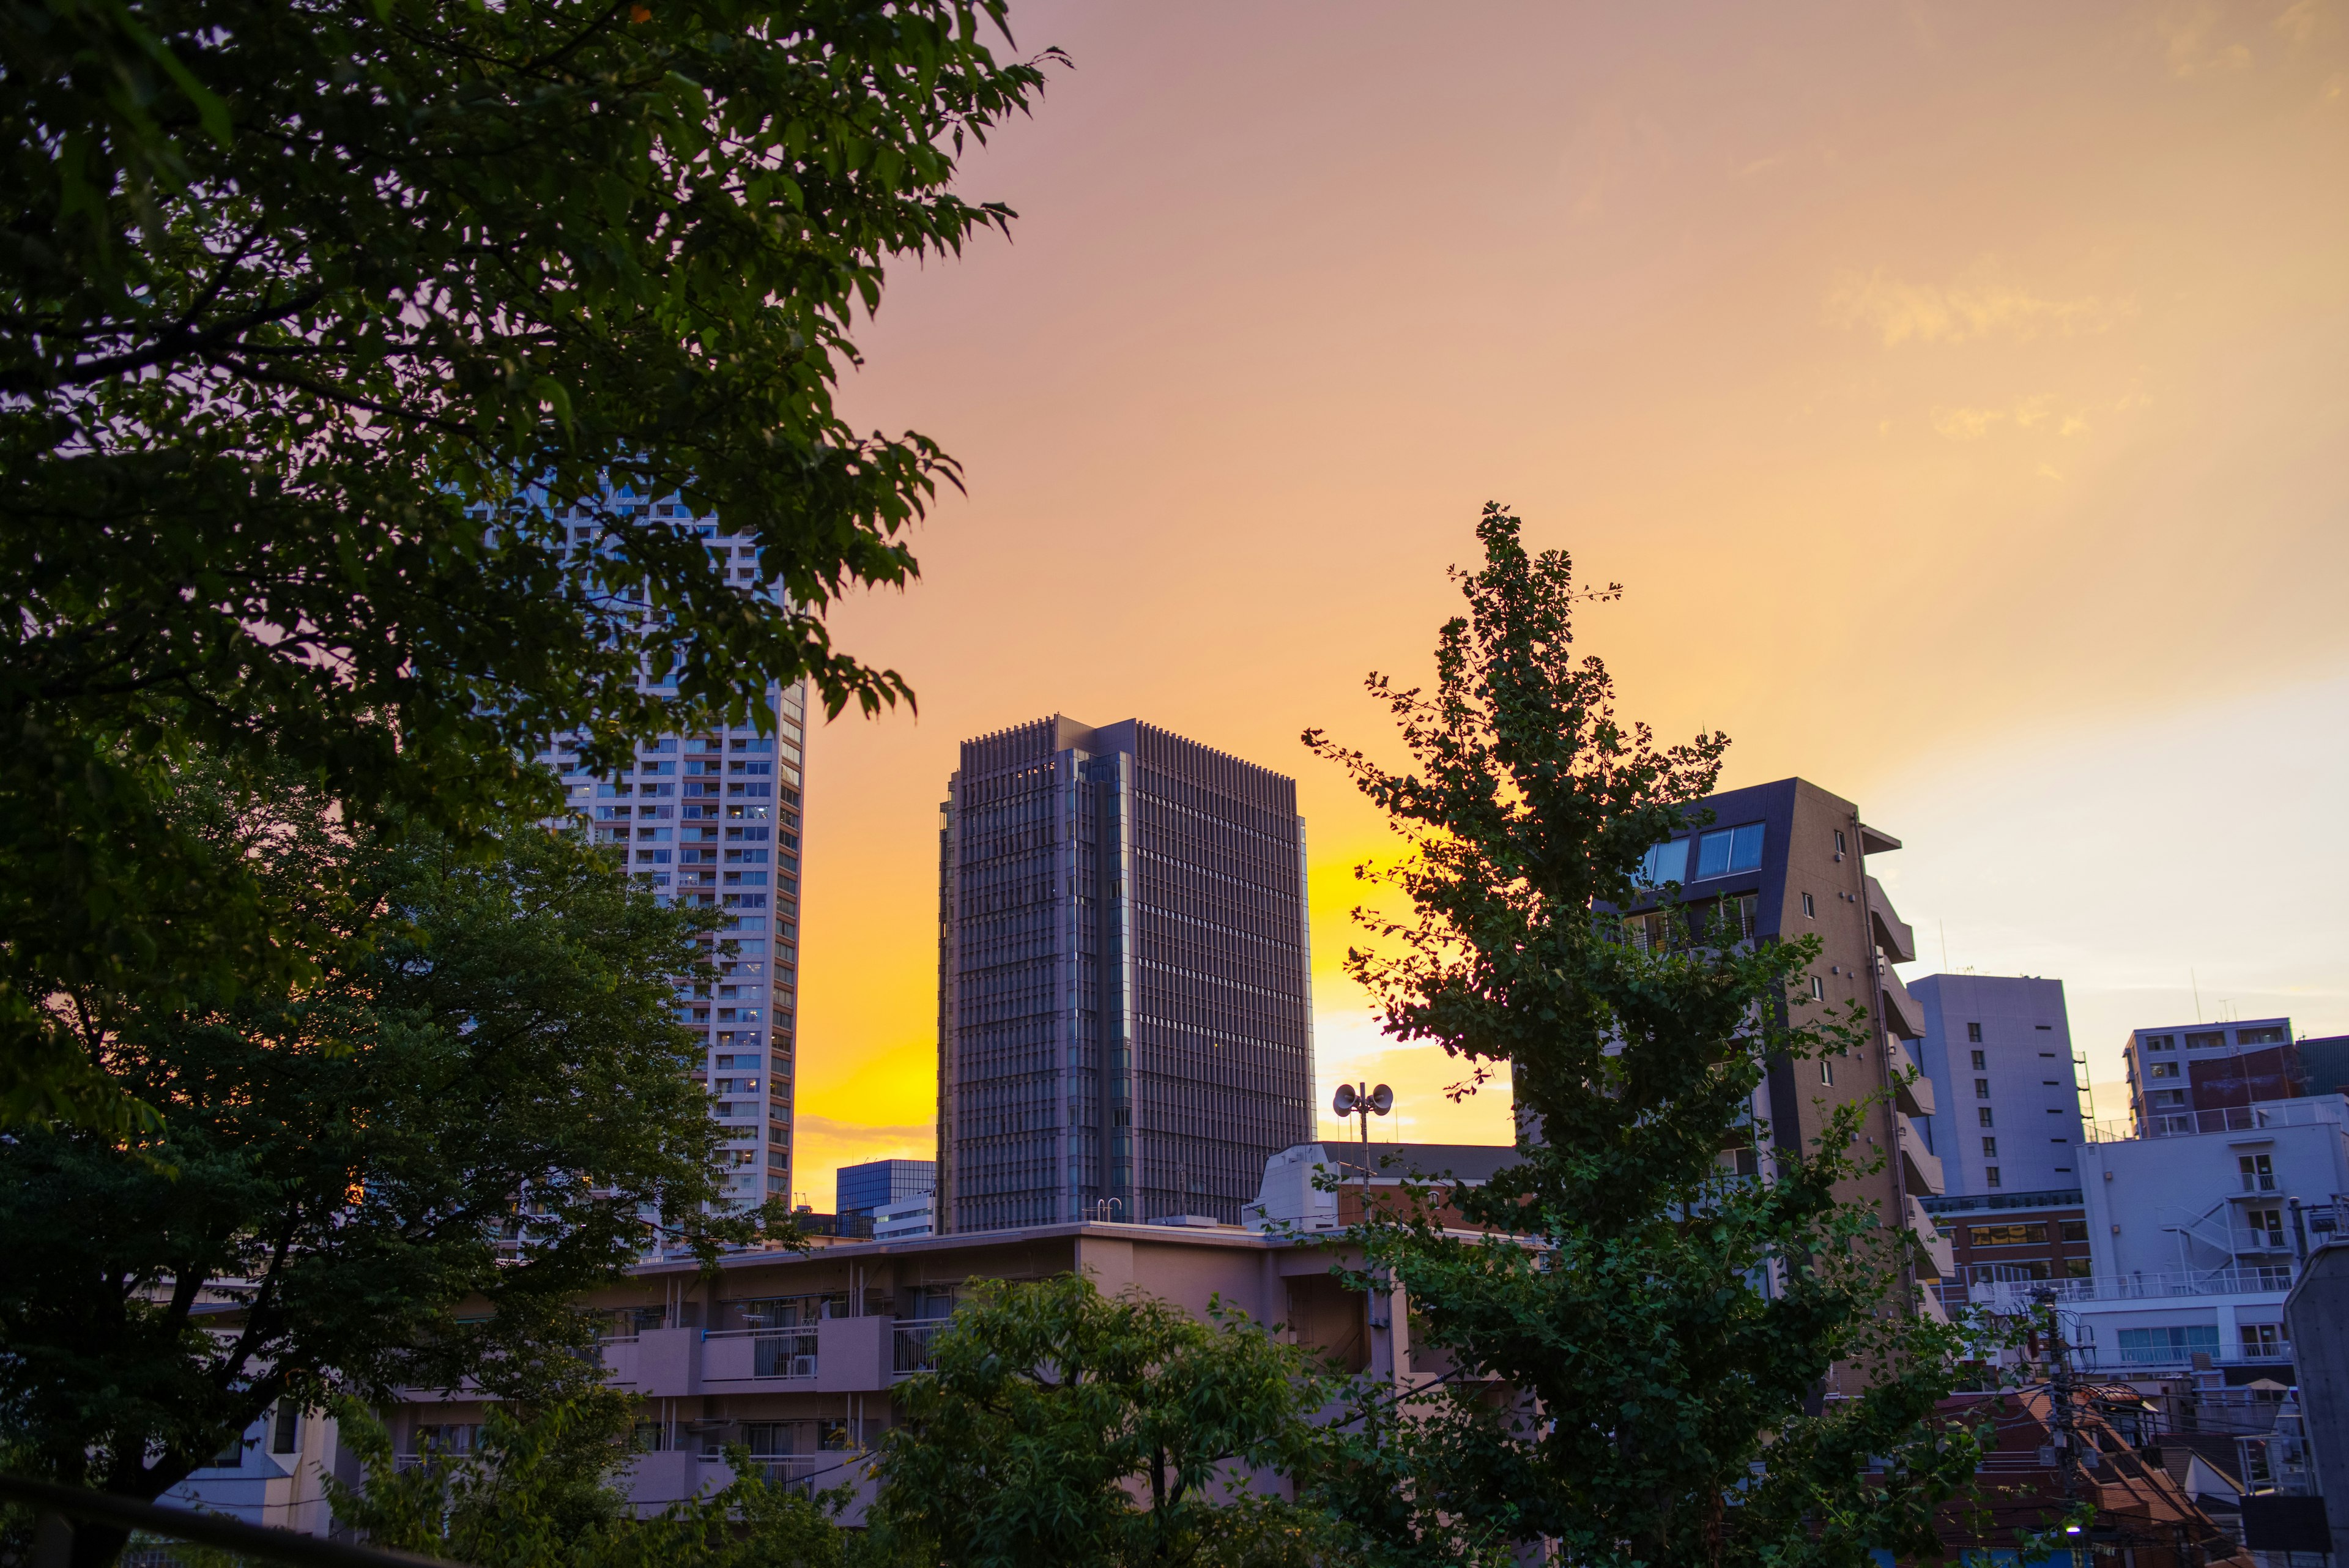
column 2196, row 1236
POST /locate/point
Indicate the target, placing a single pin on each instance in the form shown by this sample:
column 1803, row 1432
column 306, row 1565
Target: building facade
column 715, row 820
column 797, row 1357
column 2188, row 1077
column 1999, row 1050
column 879, row 1183
column 1125, row 1017
column 2195, row 1237
column 1788, row 860
column 2001, row 1238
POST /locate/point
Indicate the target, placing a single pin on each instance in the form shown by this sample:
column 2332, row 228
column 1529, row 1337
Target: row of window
column 1718, row 853
column 2214, row 1039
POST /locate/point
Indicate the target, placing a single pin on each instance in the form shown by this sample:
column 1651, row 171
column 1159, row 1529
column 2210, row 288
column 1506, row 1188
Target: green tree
column 1642, row 1337
column 1060, row 1426
column 323, row 331
column 491, row 1101
column 545, row 1488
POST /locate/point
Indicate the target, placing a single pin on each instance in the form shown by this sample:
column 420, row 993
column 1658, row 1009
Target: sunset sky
column 1961, row 393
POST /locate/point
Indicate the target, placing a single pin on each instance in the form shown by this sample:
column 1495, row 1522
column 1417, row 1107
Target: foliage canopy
column 1640, row 1342
column 334, row 338
column 491, row 1102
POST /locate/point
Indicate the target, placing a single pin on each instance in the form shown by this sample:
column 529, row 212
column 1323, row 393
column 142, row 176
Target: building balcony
column 1892, row 933
column 1936, row 1243
column 1921, row 1167
column 1903, row 1014
column 1914, row 1096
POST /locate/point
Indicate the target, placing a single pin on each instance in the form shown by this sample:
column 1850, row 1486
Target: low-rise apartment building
column 2180, row 1076
column 794, row 1356
column 2196, row 1232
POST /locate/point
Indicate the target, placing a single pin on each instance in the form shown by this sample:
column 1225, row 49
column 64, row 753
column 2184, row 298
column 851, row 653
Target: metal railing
column 803, row 1473
column 911, row 1342
column 2306, row 1112
column 56, row 1506
column 2016, row 1294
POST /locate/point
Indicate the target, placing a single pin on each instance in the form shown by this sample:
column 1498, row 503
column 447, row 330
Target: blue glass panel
column 1713, row 855
column 1745, row 847
column 1665, row 862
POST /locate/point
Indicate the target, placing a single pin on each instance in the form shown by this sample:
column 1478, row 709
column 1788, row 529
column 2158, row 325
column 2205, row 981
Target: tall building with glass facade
column 714, row 820
column 1124, row 1013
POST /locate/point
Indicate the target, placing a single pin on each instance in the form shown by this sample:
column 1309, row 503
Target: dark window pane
column 1712, row 854
column 1745, row 847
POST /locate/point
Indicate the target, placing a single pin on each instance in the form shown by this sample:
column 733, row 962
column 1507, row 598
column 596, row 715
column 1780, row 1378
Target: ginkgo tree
column 1641, row 1336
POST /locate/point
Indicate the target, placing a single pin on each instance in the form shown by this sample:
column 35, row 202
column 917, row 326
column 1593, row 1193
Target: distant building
column 2324, row 1064
column 1311, row 1187
column 1124, row 1023
column 878, row 1183
column 2000, row 1238
column 712, row 821
column 2190, row 1078
column 2007, row 1106
column 906, row 1218
column 2196, row 1236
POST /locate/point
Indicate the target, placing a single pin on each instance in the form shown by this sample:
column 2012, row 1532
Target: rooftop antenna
column 2197, row 984
column 1945, row 945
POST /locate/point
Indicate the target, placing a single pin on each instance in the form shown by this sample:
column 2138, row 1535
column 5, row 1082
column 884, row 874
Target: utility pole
column 2062, row 1415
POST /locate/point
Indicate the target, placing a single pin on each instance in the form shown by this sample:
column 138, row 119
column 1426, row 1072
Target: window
column 2154, row 1346
column 1989, row 1175
column 2258, row 1171
column 2271, row 1035
column 2209, row 1040
column 1984, row 1115
column 2008, row 1235
column 1982, row 1063
column 2162, row 1069
column 1665, row 862
column 1810, row 908
column 2158, row 1041
column 1827, row 1071
column 2077, row 1268
column 232, row 1454
column 1839, row 843
column 2267, row 1227
column 1818, row 988
column 1989, row 1148
column 2073, row 1230
column 1729, row 849
column 2264, row 1341
column 1982, row 1088
column 1973, row 1033
column 285, row 1430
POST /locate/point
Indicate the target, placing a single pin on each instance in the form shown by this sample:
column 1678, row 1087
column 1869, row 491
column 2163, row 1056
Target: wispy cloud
column 2189, row 45
column 1931, row 313
column 1962, row 423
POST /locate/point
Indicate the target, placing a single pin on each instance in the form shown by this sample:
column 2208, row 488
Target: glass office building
column 1125, row 1021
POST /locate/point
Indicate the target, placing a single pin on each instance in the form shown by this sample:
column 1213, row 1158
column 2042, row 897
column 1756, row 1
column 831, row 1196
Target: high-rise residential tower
column 1125, row 1017
column 713, row 820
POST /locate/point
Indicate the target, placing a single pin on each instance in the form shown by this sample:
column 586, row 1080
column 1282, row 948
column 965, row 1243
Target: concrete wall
column 2318, row 1312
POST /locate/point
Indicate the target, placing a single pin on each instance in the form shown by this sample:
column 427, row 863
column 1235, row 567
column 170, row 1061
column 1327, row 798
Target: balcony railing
column 911, row 1351
column 774, row 1352
column 803, row 1473
column 2015, row 1295
column 2307, row 1112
